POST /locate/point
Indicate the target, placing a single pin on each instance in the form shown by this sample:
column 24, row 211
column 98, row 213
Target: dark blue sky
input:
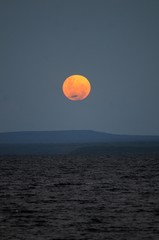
column 114, row 43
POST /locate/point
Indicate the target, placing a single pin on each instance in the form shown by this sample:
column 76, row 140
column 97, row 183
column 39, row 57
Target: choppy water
column 75, row 197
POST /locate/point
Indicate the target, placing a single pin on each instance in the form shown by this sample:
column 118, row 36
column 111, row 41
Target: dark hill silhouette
column 72, row 136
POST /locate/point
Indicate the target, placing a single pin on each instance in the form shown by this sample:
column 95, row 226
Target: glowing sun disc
column 76, row 87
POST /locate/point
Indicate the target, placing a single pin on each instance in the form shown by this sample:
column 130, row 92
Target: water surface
column 79, row 197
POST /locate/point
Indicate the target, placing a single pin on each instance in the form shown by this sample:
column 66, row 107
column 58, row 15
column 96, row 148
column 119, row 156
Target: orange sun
column 76, row 87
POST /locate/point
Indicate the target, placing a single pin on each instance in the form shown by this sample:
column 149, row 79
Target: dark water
column 66, row 197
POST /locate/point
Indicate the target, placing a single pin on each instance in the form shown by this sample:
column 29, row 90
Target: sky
column 114, row 43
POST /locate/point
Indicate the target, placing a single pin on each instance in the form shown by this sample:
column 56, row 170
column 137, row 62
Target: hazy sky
column 114, row 43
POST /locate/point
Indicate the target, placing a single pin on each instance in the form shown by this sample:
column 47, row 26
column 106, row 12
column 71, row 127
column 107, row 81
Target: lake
column 85, row 197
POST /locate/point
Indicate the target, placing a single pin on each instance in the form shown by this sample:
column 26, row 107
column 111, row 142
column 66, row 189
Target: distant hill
column 66, row 137
column 74, row 142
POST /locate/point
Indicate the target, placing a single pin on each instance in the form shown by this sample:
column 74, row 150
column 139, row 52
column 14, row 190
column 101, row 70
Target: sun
column 76, row 87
